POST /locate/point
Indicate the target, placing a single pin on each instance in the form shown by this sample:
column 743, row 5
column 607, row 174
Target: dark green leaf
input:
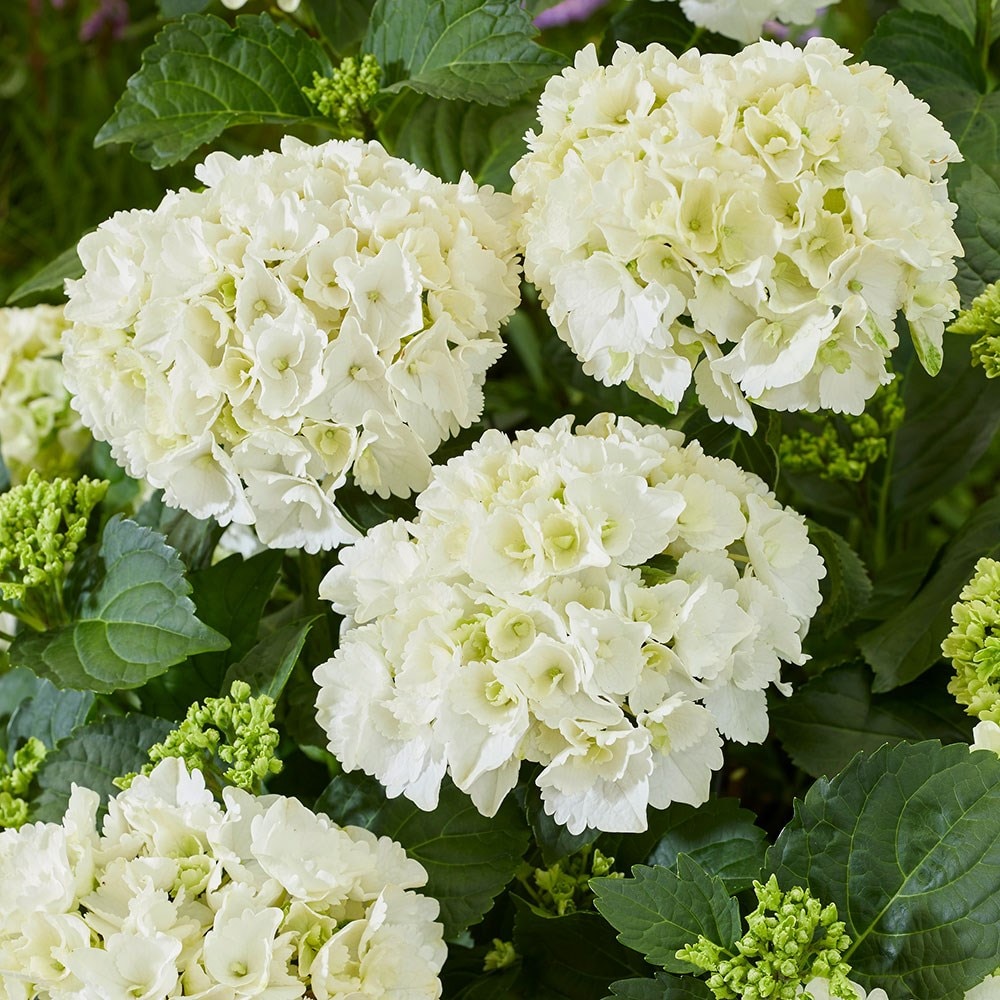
column 663, row 987
column 978, row 227
column 833, row 716
column 961, row 13
column 176, row 8
column 905, row 842
column 469, row 50
column 498, row 985
column 573, row 957
column 973, row 121
column 643, row 21
column 267, row 667
column 905, row 645
column 16, row 686
column 447, row 137
column 194, row 539
column 92, row 757
column 658, row 911
column 469, row 858
column 50, row 714
column 552, row 838
column 846, row 588
column 342, row 22
column 136, row 624
column 49, row 278
column 202, row 76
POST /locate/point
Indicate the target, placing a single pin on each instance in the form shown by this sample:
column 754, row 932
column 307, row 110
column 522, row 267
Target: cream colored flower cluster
column 181, row 897
column 313, row 313
column 753, row 222
column 607, row 604
column 38, row 428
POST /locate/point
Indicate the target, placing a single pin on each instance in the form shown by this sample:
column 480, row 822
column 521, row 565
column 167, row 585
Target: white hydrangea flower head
column 607, row 603
column 38, row 427
column 288, row 6
column 314, row 313
column 751, row 223
column 179, row 895
column 744, row 19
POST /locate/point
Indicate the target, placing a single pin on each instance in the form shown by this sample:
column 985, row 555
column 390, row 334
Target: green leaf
column 905, row 842
column 202, row 76
column 49, row 714
column 194, row 539
column 833, row 716
column 574, row 956
column 447, row 137
column 469, row 857
column 657, row 911
column 469, row 50
column 960, row 13
column 978, row 227
column 92, row 757
column 973, row 121
column 176, row 8
column 552, row 838
column 925, row 52
column 847, row 588
column 267, row 667
column 663, row 987
column 342, row 22
column 905, row 645
column 136, row 624
column 643, row 21
column 50, row 277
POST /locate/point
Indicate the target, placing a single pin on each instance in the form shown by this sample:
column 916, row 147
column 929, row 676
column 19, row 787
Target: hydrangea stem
column 984, row 25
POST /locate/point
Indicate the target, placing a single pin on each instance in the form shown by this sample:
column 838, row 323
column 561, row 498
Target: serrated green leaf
column 573, row 957
column 657, row 911
column 905, row 842
column 960, row 13
column 267, row 667
column 469, row 50
column 925, row 52
column 833, row 716
column 92, row 757
column 50, row 277
column 972, row 119
column 176, row 8
column 342, row 22
column 978, row 227
column 449, row 137
column 137, row 623
column 49, row 714
column 202, row 76
column 905, row 645
column 847, row 588
column 193, row 538
column 469, row 858
column 662, row 987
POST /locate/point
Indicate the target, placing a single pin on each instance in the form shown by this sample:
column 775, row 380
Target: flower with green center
column 16, row 778
column 42, row 524
column 346, row 94
column 236, row 729
column 982, row 320
column 791, row 938
column 973, row 645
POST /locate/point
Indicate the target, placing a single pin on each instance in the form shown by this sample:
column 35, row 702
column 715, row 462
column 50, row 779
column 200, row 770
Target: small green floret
column 982, row 320
column 844, row 448
column 565, row 886
column 15, row 780
column 791, row 938
column 236, row 729
column 973, row 645
column 349, row 92
column 42, row 523
column 500, row 956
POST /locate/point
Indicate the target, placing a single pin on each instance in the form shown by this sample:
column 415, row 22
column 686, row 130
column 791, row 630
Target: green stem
column 984, row 25
column 880, row 545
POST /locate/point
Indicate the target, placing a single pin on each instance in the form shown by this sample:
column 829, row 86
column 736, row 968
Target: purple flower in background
column 111, row 17
column 567, row 12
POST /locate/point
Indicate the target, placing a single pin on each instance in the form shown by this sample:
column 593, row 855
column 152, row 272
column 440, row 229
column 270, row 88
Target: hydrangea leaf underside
column 470, row 50
column 905, row 842
column 136, row 624
column 656, row 912
column 202, row 76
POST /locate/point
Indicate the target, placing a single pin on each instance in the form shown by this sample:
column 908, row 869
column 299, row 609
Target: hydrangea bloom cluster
column 181, row 896
column 753, row 223
column 743, row 19
column 607, row 603
column 38, row 427
column 982, row 320
column 312, row 313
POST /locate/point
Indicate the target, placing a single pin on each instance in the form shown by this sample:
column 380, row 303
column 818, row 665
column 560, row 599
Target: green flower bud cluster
column 565, row 886
column 982, row 320
column 237, row 729
column 42, row 524
column 791, row 939
column 973, row 645
column 844, row 448
column 16, row 778
column 349, row 92
column 500, row 956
